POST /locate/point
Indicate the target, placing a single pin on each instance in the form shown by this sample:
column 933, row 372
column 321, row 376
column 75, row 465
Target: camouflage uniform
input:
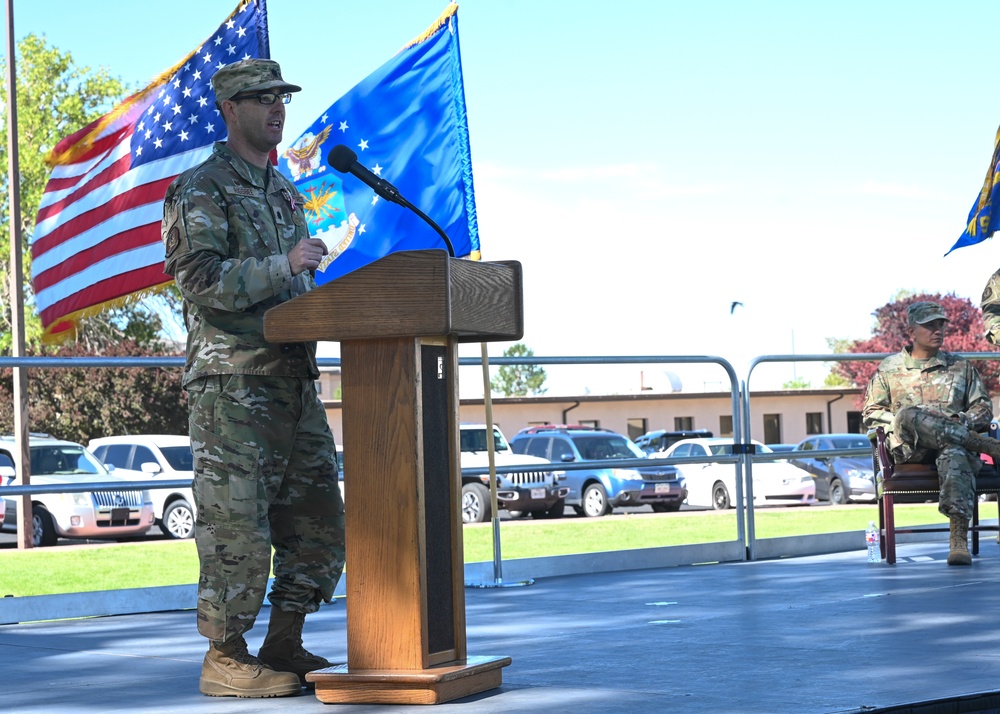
column 265, row 462
column 990, row 305
column 927, row 408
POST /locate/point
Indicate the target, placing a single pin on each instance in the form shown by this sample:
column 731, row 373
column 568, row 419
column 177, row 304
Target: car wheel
column 178, row 520
column 838, row 494
column 595, row 501
column 43, row 531
column 475, row 503
column 720, row 497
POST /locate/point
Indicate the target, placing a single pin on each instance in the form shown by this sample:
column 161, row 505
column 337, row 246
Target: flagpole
column 22, row 458
column 491, row 454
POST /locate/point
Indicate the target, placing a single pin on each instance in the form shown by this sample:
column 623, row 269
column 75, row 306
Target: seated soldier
column 931, row 404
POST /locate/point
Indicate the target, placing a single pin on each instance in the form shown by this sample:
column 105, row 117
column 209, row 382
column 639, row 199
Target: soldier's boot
column 230, row 671
column 979, row 444
column 282, row 649
column 958, row 553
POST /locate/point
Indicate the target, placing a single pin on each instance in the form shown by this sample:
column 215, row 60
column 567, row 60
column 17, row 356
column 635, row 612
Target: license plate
column 119, row 514
column 538, row 493
column 663, row 488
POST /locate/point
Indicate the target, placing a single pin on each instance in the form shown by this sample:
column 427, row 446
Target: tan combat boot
column 959, row 546
column 282, row 650
column 230, row 671
column 979, row 444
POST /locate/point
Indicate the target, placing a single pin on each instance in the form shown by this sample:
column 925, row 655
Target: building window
column 854, row 424
column 725, row 425
column 814, row 422
column 772, row 428
column 319, row 386
column 683, row 423
column 636, row 428
column 589, row 422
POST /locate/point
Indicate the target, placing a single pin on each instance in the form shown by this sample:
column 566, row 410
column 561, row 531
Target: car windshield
column 599, row 447
column 64, row 459
column 727, row 449
column 179, row 457
column 475, row 440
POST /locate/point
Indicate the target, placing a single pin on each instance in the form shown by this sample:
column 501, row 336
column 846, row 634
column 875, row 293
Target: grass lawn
column 113, row 566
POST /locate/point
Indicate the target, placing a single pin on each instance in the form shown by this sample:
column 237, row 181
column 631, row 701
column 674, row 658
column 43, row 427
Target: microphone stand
column 444, row 236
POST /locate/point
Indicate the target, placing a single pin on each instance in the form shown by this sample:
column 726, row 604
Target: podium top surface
column 417, row 293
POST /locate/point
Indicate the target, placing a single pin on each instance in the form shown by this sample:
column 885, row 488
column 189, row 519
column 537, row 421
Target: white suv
column 161, row 457
column 535, row 490
column 107, row 513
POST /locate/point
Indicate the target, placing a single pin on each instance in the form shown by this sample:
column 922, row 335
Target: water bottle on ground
column 871, row 538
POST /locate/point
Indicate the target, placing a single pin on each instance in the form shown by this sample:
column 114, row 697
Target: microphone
column 344, row 160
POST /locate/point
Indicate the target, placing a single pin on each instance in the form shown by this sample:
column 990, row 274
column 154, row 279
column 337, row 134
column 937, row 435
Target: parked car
column 839, row 479
column 161, row 457
column 661, row 439
column 597, row 491
column 107, row 513
column 537, row 490
column 713, row 485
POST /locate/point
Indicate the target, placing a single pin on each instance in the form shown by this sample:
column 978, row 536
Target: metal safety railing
column 742, row 459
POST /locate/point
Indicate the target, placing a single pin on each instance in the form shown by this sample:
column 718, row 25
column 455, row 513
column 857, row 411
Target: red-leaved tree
column 964, row 334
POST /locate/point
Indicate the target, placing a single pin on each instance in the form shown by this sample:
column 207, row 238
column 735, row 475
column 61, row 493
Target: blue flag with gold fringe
column 407, row 124
column 980, row 224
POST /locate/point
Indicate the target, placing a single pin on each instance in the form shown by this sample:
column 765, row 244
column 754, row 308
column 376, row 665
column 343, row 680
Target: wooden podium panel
column 399, row 322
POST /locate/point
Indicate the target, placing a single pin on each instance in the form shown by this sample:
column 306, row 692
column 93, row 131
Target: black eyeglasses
column 266, row 97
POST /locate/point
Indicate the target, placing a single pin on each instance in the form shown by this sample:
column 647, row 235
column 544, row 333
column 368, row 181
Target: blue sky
column 651, row 162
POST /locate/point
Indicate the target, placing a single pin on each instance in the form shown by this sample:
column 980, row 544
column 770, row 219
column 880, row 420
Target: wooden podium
column 399, row 321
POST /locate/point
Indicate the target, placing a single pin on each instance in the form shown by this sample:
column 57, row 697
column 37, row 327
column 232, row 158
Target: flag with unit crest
column 407, row 124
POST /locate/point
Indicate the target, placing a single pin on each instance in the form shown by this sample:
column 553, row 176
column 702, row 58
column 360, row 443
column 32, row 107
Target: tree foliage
column 797, row 383
column 79, row 404
column 964, row 334
column 521, row 379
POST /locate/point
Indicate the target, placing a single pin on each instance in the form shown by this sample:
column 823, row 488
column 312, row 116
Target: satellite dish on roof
column 660, row 381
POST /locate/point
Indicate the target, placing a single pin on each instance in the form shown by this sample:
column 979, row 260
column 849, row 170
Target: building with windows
column 782, row 416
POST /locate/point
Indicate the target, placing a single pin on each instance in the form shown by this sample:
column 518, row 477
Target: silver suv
column 107, row 513
column 536, row 490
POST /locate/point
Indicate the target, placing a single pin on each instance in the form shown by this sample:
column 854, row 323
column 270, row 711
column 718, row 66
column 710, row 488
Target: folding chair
column 918, row 483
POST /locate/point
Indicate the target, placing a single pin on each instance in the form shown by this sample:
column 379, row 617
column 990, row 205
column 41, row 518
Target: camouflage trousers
column 265, row 476
column 924, row 435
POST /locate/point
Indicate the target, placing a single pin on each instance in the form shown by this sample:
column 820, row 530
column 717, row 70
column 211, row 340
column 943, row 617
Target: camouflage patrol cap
column 247, row 76
column 920, row 313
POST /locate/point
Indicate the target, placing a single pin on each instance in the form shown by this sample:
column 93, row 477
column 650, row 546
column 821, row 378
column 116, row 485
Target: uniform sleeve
column 979, row 406
column 990, row 305
column 878, row 403
column 207, row 266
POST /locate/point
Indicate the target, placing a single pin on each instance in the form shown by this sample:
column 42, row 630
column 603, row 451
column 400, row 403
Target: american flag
column 96, row 242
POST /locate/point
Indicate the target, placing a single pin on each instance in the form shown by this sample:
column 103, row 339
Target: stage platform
column 824, row 634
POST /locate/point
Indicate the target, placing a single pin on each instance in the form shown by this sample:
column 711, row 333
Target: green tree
column 797, row 383
column 518, row 380
column 55, row 97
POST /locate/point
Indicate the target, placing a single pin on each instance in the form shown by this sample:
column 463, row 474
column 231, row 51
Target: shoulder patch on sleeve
column 173, row 240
